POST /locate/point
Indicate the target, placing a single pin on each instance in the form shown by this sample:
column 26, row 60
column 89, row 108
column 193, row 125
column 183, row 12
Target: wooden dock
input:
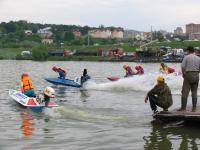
column 186, row 116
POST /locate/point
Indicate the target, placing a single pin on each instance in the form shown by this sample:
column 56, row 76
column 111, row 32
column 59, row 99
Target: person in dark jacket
column 46, row 95
column 190, row 69
column 160, row 96
column 84, row 77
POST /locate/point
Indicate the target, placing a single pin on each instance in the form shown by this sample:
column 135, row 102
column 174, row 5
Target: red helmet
column 137, row 67
column 24, row 75
column 125, row 66
column 54, row 68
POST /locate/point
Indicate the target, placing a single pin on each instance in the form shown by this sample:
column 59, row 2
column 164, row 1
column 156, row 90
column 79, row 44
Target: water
column 102, row 115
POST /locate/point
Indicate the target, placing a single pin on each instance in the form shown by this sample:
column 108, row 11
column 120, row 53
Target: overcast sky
column 131, row 14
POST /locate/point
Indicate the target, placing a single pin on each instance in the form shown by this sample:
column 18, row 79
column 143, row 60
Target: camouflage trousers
column 190, row 83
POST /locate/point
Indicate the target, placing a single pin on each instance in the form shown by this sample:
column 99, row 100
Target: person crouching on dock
column 160, row 96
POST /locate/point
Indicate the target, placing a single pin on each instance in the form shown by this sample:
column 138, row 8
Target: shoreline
column 99, row 59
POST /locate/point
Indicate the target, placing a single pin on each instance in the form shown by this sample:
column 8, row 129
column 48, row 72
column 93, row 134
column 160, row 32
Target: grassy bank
column 78, row 58
column 126, row 47
column 14, row 53
column 175, row 44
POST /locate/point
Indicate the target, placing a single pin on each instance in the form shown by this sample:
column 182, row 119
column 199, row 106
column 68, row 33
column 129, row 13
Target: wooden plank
column 175, row 115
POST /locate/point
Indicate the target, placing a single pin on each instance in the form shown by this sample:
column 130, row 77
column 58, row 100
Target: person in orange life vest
column 165, row 69
column 129, row 71
column 27, row 86
column 62, row 73
column 139, row 69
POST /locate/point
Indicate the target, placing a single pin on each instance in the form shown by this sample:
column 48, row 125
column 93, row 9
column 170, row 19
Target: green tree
column 40, row 53
column 158, row 35
column 68, row 36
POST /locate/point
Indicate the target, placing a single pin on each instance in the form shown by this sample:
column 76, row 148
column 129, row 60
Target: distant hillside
column 26, row 33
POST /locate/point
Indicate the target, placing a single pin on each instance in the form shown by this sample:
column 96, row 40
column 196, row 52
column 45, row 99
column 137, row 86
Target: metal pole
column 151, row 33
column 88, row 39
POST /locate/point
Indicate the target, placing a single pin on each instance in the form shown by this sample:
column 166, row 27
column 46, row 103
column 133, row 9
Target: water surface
column 102, row 115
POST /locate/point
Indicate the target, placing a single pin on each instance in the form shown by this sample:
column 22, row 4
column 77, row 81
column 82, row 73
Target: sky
column 129, row 14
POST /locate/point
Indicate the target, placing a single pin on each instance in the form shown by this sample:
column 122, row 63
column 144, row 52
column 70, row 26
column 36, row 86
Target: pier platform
column 187, row 116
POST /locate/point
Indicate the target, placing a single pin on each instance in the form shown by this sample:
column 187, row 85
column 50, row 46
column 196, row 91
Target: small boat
column 66, row 82
column 113, row 78
column 118, row 78
column 29, row 102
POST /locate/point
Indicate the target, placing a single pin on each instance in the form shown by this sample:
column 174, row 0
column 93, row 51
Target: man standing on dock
column 190, row 69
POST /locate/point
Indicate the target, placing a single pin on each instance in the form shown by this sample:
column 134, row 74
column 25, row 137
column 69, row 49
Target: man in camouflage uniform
column 190, row 69
column 160, row 95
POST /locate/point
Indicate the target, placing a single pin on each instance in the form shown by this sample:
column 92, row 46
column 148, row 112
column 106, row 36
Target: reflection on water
column 84, row 95
column 172, row 137
column 27, row 126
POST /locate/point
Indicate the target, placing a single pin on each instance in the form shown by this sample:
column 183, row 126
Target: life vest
column 26, row 84
column 63, row 70
column 140, row 70
column 129, row 71
column 171, row 70
column 165, row 69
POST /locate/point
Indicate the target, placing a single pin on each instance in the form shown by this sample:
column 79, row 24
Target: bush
column 40, row 53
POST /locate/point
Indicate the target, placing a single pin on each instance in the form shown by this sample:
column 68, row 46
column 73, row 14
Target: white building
column 107, row 33
column 47, row 41
column 117, row 33
column 46, row 35
column 100, row 33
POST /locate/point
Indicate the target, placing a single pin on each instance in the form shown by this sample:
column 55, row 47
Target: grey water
column 102, row 115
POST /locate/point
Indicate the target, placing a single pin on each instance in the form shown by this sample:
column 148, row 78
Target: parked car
column 26, row 53
column 171, row 58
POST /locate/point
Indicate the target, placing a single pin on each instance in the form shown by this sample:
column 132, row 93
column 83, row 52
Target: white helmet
column 49, row 91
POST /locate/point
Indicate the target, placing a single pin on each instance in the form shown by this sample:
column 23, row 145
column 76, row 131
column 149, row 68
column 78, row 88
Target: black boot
column 183, row 104
column 194, row 104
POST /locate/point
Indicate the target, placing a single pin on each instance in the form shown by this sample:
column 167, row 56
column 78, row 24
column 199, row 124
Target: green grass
column 175, row 44
column 78, row 58
column 126, row 47
column 10, row 53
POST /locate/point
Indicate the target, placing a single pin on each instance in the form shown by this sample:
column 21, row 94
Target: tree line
column 12, row 34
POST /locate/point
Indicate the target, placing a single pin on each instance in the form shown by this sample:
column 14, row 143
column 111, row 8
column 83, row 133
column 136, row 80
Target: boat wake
column 83, row 114
column 138, row 83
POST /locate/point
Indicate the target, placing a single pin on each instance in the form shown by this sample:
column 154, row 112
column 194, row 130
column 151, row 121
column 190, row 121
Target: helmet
column 49, row 91
column 54, row 68
column 161, row 78
column 24, row 75
column 137, row 67
column 163, row 64
column 125, row 66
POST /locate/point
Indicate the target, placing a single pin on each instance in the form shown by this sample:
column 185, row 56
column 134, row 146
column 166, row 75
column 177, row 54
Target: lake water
column 103, row 115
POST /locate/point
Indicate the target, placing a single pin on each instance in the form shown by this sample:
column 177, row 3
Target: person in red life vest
column 62, row 72
column 165, row 69
column 139, row 69
column 27, row 85
column 129, row 71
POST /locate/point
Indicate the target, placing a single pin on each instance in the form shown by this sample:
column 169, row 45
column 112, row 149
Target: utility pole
column 88, row 39
column 151, row 33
